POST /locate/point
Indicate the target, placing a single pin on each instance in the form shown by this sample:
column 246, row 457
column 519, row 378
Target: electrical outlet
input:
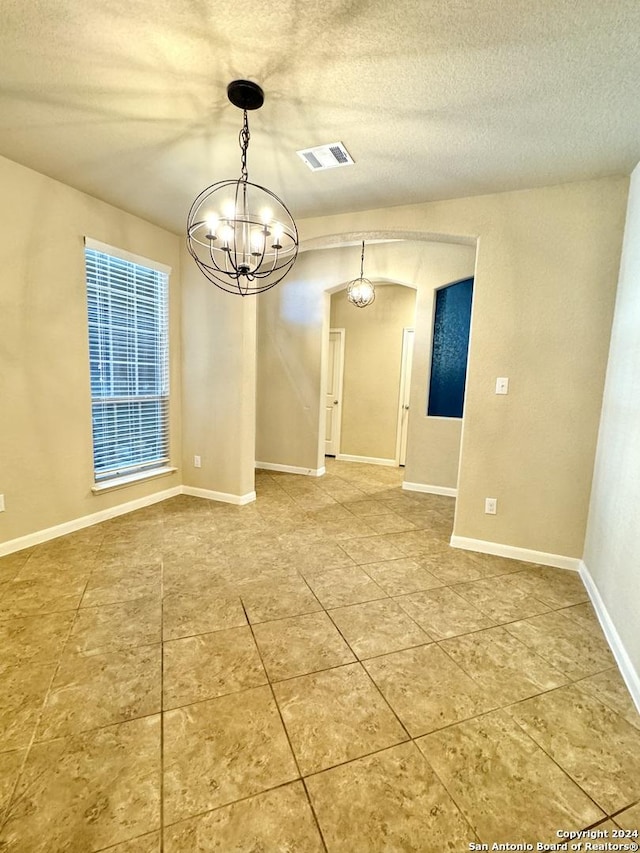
column 491, row 506
column 502, row 385
column 197, row 462
column 1, row 503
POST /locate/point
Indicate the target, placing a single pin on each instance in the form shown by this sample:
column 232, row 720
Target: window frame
column 139, row 411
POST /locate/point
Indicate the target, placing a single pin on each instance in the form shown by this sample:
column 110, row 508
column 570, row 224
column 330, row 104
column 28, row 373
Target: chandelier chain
column 245, row 136
column 362, row 261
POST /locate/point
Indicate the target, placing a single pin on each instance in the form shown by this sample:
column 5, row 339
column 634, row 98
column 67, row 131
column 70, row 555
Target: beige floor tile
column 266, row 600
column 279, row 820
column 335, row 716
column 509, row 790
column 494, row 566
column 92, row 690
column 186, row 614
column 392, row 523
column 122, row 582
column 340, row 587
column 300, row 644
column 416, row 543
column 555, row 587
column 117, row 626
column 501, row 599
column 10, row 764
column 222, row 750
column 591, row 743
column 443, row 613
column 31, row 597
column 317, row 556
column 608, row 827
column 400, row 577
column 22, row 694
column 573, row 650
column 371, row 549
column 504, row 667
column 210, row 665
column 198, row 580
column 611, row 690
column 378, row 628
column 454, row 566
column 630, row 819
column 585, row 616
column 11, row 564
column 143, row 844
column 430, row 520
column 391, row 801
column 368, row 508
column 365, row 545
column 35, row 639
column 426, row 689
column 88, row 791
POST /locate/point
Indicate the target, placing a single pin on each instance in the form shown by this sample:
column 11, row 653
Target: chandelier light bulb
column 212, row 225
column 226, row 234
column 229, row 209
column 257, row 241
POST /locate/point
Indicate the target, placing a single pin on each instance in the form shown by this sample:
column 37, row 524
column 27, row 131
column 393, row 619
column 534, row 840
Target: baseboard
column 627, row 670
column 223, row 497
column 430, row 490
column 558, row 561
column 369, row 460
column 291, row 469
column 49, row 533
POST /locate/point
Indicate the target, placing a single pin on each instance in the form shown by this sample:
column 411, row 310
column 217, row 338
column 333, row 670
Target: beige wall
column 46, row 465
column 433, row 446
column 293, row 330
column 218, row 385
column 372, row 363
column 545, row 284
column 612, row 549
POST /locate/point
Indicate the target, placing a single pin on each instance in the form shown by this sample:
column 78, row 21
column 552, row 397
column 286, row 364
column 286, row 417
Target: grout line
column 286, row 732
column 11, row 799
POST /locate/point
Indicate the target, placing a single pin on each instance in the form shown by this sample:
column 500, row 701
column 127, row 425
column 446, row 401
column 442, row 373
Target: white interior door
column 405, row 392
column 333, row 393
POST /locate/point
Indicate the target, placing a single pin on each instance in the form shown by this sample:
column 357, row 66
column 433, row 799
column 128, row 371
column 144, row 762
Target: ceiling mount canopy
column 241, row 235
column 360, row 291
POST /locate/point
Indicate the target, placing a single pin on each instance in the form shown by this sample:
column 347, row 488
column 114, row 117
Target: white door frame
column 337, row 410
column 408, row 334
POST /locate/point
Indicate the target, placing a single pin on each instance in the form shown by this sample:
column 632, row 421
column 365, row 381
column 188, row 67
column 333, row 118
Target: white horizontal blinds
column 129, row 361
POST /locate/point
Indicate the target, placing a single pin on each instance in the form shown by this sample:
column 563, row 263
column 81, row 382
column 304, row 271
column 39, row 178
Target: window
column 127, row 301
column 450, row 349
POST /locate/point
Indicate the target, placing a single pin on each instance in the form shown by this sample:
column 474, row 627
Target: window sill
column 131, row 479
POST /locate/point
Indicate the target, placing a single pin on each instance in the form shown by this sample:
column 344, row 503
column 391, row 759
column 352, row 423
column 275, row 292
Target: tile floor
column 316, row 671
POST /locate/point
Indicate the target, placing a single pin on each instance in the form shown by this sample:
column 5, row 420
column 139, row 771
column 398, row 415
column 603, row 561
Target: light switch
column 502, row 385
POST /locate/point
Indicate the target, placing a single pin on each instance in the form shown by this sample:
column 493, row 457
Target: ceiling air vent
column 326, row 156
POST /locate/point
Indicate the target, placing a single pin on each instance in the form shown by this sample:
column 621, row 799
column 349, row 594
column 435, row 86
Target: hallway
column 315, row 671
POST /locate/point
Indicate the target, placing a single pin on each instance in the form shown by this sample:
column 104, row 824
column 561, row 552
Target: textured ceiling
column 126, row 99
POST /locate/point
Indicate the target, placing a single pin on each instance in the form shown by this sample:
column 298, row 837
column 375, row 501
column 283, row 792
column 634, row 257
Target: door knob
column 405, row 407
column 335, row 402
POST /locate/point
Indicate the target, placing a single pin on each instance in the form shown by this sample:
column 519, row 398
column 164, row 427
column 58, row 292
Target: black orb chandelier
column 360, row 291
column 241, row 235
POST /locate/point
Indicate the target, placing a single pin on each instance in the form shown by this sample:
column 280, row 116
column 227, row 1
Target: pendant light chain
column 245, row 136
column 362, row 261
